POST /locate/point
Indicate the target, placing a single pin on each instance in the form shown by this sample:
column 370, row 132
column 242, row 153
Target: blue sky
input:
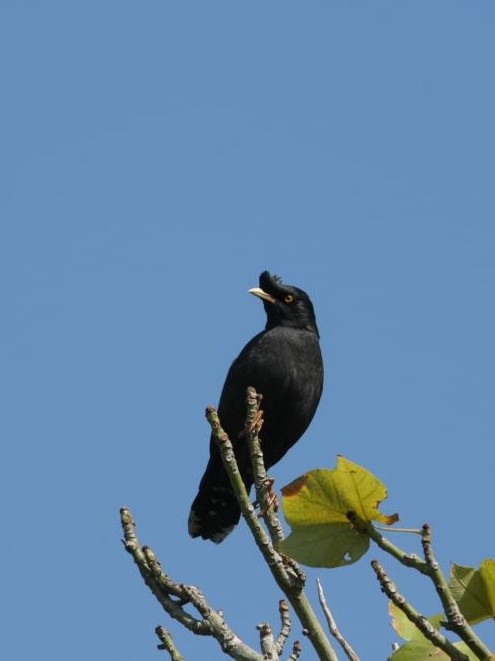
column 155, row 158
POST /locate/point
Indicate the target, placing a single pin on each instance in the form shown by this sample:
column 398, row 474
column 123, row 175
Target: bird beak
column 262, row 294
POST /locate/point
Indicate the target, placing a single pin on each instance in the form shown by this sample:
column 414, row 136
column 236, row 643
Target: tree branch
column 419, row 620
column 332, row 625
column 406, row 559
column 264, row 497
column 274, row 560
column 167, row 644
column 283, row 609
column 174, row 596
column 296, row 651
column 271, row 556
column 455, row 619
column 267, row 642
column 430, row 567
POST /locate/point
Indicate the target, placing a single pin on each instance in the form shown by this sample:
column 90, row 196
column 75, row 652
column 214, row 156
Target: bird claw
column 270, row 497
column 257, row 422
column 254, row 426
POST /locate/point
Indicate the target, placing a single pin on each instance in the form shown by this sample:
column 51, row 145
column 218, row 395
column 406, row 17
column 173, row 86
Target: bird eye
column 289, row 298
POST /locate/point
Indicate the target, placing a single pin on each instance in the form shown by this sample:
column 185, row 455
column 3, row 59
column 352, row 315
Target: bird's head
column 285, row 305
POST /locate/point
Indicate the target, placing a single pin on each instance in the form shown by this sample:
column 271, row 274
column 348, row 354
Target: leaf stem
column 415, row 531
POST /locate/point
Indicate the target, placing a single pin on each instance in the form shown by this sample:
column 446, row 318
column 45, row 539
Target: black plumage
column 284, row 364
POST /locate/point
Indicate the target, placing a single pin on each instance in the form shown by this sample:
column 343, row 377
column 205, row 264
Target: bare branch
column 406, row 559
column 455, row 620
column 274, row 560
column 262, row 484
column 174, row 596
column 271, row 556
column 283, row 609
column 419, row 620
column 267, row 642
column 296, row 651
column 349, row 652
column 167, row 644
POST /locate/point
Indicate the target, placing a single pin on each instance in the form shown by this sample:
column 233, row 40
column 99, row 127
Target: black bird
column 284, row 364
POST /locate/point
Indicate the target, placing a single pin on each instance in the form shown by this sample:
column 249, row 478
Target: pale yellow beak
column 262, row 294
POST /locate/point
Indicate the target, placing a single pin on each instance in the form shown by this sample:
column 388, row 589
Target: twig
column 267, row 642
column 254, row 422
column 406, row 559
column 430, row 567
column 419, row 620
column 132, row 546
column 455, row 620
column 271, row 556
column 167, row 644
column 406, row 531
column 174, row 596
column 298, row 576
column 296, row 651
column 253, row 425
column 332, row 625
column 274, row 560
column 283, row 609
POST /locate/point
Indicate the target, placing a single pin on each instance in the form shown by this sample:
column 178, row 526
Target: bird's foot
column 257, row 423
column 270, row 497
column 253, row 425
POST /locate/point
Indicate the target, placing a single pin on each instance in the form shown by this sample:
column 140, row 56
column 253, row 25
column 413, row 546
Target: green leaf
column 474, row 590
column 331, row 545
column 403, row 626
column 318, row 506
column 417, row 650
column 462, row 647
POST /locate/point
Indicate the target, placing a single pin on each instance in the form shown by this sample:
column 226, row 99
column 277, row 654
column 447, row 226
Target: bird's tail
column 215, row 510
